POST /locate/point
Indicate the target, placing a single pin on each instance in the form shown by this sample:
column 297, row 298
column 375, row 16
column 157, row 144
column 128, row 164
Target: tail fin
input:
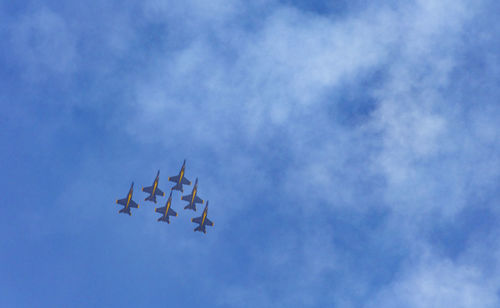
column 197, row 229
column 125, row 210
column 180, row 188
column 164, row 219
column 190, row 207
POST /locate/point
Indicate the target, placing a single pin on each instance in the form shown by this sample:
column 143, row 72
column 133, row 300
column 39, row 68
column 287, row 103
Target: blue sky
column 349, row 149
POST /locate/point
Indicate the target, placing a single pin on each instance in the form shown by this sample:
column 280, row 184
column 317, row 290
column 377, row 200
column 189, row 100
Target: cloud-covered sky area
column 350, row 151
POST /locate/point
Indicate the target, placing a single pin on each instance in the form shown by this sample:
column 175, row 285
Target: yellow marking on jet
column 181, row 175
column 166, row 210
column 194, row 194
column 203, row 219
column 154, row 187
column 128, row 199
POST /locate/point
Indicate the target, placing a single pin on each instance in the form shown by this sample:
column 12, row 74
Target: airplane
column 192, row 198
column 166, row 210
column 153, row 190
column 202, row 221
column 180, row 179
column 128, row 202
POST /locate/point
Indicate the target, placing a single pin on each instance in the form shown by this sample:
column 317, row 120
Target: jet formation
column 167, row 211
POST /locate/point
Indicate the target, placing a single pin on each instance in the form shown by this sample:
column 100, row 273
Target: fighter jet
column 192, row 198
column 202, row 221
column 166, row 210
column 128, row 202
column 153, row 190
column 180, row 179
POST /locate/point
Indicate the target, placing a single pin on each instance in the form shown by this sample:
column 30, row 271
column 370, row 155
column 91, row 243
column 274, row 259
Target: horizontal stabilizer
column 165, row 219
column 190, row 207
column 150, row 198
column 177, row 187
column 125, row 211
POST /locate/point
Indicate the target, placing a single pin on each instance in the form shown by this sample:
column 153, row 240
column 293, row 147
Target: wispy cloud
column 437, row 282
column 335, row 148
column 270, row 88
column 43, row 44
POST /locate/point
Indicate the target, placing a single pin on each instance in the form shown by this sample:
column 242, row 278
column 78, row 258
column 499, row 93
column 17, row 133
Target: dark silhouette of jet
column 128, row 202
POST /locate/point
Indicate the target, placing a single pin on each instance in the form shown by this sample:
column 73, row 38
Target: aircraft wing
column 161, row 210
column 208, row 222
column 122, row 201
column 196, row 220
column 174, row 179
column 197, row 200
column 185, row 181
column 148, row 189
column 133, row 204
column 159, row 192
column 187, row 197
column 172, row 212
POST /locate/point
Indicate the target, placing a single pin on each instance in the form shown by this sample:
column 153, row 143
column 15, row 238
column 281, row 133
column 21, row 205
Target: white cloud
column 44, row 43
column 233, row 93
column 439, row 283
column 231, row 90
column 271, row 79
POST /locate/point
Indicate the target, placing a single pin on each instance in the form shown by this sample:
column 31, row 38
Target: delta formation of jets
column 167, row 210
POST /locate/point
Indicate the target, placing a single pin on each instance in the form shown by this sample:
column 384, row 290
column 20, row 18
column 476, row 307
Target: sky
column 350, row 152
